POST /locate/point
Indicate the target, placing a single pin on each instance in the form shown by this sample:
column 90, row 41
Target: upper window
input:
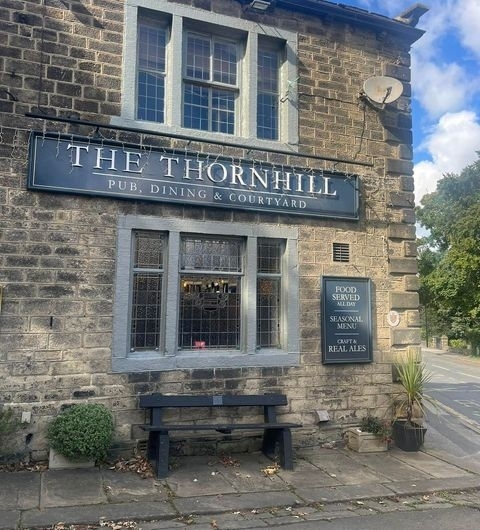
column 202, row 74
column 210, row 83
column 152, row 40
column 187, row 295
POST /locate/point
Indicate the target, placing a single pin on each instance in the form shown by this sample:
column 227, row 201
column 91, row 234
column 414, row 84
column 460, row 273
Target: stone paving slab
column 308, row 474
column 429, row 464
column 391, row 468
column 344, row 493
column 19, row 490
column 9, row 519
column 435, row 484
column 92, row 514
column 345, row 468
column 237, row 502
column 125, row 487
column 72, row 487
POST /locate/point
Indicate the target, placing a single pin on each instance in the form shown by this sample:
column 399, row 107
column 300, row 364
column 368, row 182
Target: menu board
column 346, row 320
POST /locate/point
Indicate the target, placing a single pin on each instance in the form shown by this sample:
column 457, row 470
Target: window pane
column 269, row 268
column 151, row 72
column 268, row 313
column 151, row 97
column 209, row 312
column 268, row 71
column 195, row 108
column 149, row 250
column 211, row 254
column 223, row 111
column 268, row 94
column 269, row 256
column 151, row 47
column 146, row 311
column 267, row 117
column 198, row 57
column 225, row 62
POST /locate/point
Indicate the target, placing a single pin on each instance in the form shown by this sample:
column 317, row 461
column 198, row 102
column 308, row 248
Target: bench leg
column 284, row 439
column 161, row 457
column 286, row 452
column 269, row 442
column 152, row 446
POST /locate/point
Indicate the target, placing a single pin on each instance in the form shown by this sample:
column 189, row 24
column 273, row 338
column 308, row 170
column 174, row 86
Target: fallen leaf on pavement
column 271, row 470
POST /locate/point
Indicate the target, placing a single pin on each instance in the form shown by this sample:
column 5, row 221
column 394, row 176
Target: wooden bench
column 273, row 432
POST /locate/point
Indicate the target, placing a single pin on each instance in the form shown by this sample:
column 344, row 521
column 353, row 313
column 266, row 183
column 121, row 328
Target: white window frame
column 170, row 357
column 246, row 123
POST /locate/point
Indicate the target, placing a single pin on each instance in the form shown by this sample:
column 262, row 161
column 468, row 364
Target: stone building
column 204, row 196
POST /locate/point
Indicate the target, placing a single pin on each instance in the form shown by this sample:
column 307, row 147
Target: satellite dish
column 383, row 89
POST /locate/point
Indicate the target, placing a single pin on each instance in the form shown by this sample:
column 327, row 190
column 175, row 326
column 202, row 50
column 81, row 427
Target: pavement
column 238, row 491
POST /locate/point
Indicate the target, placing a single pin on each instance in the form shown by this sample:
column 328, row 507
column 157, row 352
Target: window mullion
column 290, row 297
column 172, row 281
column 250, row 298
column 175, row 57
column 248, row 100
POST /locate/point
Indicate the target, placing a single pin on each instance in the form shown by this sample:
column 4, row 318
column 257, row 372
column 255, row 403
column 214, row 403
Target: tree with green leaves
column 449, row 258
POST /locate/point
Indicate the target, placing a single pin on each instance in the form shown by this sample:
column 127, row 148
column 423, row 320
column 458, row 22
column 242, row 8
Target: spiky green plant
column 412, row 376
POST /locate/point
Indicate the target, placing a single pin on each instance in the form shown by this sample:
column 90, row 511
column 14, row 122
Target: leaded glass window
column 268, row 93
column 210, row 83
column 148, row 269
column 269, row 270
column 210, row 293
column 151, row 71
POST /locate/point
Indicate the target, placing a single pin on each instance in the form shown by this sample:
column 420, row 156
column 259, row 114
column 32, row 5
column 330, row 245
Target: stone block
column 411, row 283
column 403, row 266
column 403, row 337
column 397, row 166
column 401, row 231
column 401, row 199
column 400, row 300
column 410, row 249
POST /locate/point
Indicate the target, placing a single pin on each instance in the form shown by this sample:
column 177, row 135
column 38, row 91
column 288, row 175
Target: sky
column 445, row 86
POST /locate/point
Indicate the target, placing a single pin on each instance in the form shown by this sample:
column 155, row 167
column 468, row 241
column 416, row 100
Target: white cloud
column 467, row 20
column 440, row 88
column 452, row 145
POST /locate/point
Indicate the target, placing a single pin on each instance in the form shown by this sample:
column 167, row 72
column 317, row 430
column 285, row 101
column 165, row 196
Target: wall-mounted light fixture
column 260, row 5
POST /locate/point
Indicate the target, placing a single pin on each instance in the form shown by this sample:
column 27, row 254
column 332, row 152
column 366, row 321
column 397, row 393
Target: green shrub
column 458, row 344
column 82, row 432
column 374, row 425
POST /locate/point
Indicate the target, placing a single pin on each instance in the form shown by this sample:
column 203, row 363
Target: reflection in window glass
column 210, row 302
column 269, row 255
column 210, row 62
column 267, row 94
column 151, row 72
column 147, row 290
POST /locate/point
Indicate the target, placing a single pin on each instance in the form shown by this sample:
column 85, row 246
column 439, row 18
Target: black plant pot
column 408, row 436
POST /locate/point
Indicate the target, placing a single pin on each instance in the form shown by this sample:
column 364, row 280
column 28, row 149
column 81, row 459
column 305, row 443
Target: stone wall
column 57, row 252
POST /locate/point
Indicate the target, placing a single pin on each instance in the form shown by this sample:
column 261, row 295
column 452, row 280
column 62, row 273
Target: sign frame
column 346, row 318
column 79, row 165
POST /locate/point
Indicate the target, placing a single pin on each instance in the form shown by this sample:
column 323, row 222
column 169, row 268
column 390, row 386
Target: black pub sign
column 96, row 166
column 346, row 320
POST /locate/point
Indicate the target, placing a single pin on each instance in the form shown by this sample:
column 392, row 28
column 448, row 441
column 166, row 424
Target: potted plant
column 412, row 375
column 82, row 434
column 373, row 435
